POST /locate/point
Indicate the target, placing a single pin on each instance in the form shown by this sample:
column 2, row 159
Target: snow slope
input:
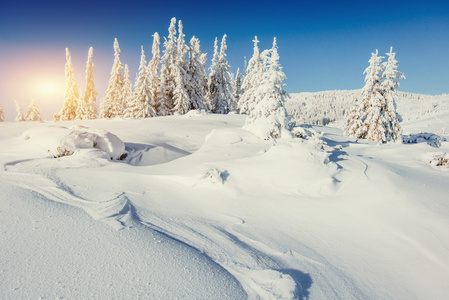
column 201, row 209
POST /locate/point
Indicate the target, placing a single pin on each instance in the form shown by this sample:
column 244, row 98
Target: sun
column 48, row 88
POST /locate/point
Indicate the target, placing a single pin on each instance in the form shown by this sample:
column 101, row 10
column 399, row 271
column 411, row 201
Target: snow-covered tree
column 180, row 96
column 267, row 118
column 153, row 72
column 71, row 93
column 252, row 79
column 142, row 105
column 33, row 112
column 2, row 118
column 19, row 117
column 362, row 121
column 197, row 76
column 236, row 90
column 374, row 117
column 113, row 105
column 220, row 95
column 127, row 91
column 168, row 72
column 87, row 107
column 389, row 85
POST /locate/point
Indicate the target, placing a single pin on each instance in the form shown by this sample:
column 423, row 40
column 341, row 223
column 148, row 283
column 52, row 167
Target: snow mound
column 215, row 176
column 58, row 141
column 430, row 138
column 196, row 113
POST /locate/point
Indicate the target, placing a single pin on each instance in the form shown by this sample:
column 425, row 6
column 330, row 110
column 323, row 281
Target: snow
column 202, row 209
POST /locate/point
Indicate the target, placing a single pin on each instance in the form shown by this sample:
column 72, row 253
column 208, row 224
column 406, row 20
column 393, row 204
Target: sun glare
column 49, row 88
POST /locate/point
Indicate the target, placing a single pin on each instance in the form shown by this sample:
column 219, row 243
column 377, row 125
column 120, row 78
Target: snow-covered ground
column 201, row 209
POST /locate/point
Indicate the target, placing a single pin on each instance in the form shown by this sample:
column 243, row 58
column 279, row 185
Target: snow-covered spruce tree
column 113, row 105
column 33, row 112
column 153, row 72
column 365, row 119
column 127, row 91
column 19, row 117
column 211, row 81
column 197, row 76
column 268, row 117
column 168, row 72
column 142, row 105
column 220, row 95
column 71, row 93
column 180, row 96
column 2, row 117
column 236, row 90
column 87, row 107
column 390, row 83
column 252, row 79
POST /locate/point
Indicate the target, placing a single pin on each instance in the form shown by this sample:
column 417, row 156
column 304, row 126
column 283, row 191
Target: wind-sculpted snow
column 321, row 216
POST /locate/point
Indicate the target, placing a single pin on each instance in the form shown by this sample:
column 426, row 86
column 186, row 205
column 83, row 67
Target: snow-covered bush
column 215, row 176
column 432, row 139
column 440, row 159
column 63, row 141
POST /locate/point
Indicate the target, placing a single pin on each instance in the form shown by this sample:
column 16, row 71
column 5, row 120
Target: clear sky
column 323, row 45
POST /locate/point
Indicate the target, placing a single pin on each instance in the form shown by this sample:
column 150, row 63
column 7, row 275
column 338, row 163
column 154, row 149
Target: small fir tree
column 142, row 105
column 19, row 117
column 33, row 112
column 113, row 105
column 236, row 90
column 71, row 93
column 127, row 91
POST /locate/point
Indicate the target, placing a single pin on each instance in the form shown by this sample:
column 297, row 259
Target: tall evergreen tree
column 153, row 73
column 19, row 117
column 127, row 90
column 252, row 79
column 236, row 90
column 180, row 97
column 71, row 93
column 168, row 72
column 33, row 112
column 212, row 80
column 197, row 76
column 2, row 117
column 87, row 107
column 268, row 117
column 142, row 105
column 220, row 95
column 113, row 104
column 389, row 85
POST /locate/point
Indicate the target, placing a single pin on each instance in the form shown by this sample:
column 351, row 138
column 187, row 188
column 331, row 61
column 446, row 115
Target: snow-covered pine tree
column 197, row 76
column 180, row 96
column 252, row 79
column 87, row 107
column 19, row 117
column 369, row 121
column 268, row 117
column 220, row 95
column 33, row 112
column 389, row 85
column 113, row 105
column 153, row 72
column 236, row 90
column 142, row 105
column 212, row 80
column 71, row 93
column 2, row 117
column 127, row 91
column 168, row 72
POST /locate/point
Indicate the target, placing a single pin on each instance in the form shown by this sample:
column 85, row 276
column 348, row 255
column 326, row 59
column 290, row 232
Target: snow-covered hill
column 200, row 209
column 321, row 108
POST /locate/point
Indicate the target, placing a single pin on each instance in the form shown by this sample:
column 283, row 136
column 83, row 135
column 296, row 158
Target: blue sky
column 324, row 45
